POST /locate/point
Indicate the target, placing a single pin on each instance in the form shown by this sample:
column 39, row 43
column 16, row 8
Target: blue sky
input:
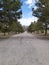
column 27, row 17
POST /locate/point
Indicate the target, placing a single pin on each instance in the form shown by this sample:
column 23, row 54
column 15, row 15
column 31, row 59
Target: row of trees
column 42, row 13
column 36, row 27
column 15, row 27
column 10, row 12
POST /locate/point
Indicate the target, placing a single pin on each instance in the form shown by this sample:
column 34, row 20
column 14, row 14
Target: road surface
column 24, row 49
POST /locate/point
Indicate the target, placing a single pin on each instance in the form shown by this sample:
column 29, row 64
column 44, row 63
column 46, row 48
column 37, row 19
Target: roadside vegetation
column 42, row 13
column 36, row 27
column 10, row 12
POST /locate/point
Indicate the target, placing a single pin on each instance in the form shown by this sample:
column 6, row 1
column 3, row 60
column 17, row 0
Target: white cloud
column 30, row 2
column 27, row 21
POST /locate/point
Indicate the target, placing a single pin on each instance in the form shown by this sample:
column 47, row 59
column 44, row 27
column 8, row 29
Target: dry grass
column 4, row 37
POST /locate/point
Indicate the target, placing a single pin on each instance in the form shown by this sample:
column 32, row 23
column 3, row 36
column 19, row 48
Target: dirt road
column 24, row 49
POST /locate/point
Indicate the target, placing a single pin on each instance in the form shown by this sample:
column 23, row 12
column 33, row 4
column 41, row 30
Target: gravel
column 24, row 49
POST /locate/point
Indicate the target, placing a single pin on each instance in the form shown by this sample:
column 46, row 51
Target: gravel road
column 24, row 49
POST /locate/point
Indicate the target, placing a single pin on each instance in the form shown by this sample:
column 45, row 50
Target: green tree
column 4, row 27
column 10, row 10
column 16, row 27
column 42, row 12
column 36, row 26
column 31, row 28
column 19, row 28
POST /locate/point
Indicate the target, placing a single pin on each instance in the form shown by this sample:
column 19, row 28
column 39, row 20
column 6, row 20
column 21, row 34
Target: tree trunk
column 45, row 29
column 8, row 33
column 4, row 34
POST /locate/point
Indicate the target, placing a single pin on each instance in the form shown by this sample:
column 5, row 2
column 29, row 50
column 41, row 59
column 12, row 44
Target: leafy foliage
column 42, row 12
column 16, row 27
column 10, row 12
column 36, row 26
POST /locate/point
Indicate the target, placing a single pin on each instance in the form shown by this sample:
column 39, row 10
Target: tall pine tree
column 42, row 12
column 10, row 10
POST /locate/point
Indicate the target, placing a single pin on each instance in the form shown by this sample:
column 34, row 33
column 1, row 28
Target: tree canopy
column 42, row 12
column 35, row 27
column 10, row 11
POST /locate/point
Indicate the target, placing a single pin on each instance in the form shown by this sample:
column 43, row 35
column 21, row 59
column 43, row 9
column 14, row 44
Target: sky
column 27, row 17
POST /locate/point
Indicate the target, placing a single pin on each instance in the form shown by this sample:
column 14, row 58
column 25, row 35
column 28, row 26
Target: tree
column 36, row 26
column 19, row 28
column 31, row 27
column 10, row 10
column 42, row 12
column 16, row 27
